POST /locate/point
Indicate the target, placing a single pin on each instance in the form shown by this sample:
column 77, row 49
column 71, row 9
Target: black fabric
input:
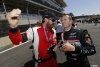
column 33, row 38
column 13, row 30
column 78, row 58
column 58, row 36
column 49, row 15
column 87, row 44
column 79, row 62
column 24, row 37
column 42, row 60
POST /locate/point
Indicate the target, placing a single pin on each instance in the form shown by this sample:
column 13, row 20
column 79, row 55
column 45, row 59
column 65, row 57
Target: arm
column 16, row 37
column 14, row 32
column 87, row 47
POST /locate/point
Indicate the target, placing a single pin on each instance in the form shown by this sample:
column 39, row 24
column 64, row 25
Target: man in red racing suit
column 43, row 36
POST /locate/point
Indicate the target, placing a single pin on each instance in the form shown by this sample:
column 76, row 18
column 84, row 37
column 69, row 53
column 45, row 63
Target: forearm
column 85, row 50
column 16, row 37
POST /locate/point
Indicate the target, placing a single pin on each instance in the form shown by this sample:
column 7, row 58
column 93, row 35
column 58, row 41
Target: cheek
column 50, row 22
column 64, row 23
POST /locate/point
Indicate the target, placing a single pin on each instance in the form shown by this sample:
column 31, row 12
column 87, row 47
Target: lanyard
column 46, row 35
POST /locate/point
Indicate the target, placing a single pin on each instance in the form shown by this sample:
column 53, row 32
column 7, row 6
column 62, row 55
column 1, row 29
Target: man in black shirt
column 76, row 43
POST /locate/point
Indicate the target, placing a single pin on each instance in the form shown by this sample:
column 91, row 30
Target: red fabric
column 16, row 38
column 39, row 24
column 43, row 43
column 43, row 46
column 51, row 63
column 52, row 39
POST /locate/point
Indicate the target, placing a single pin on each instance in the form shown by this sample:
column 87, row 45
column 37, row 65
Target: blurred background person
column 59, row 30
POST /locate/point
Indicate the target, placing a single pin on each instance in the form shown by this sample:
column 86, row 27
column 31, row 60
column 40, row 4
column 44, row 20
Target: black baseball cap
column 73, row 18
column 49, row 15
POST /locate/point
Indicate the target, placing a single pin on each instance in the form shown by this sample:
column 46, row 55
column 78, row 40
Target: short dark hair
column 70, row 18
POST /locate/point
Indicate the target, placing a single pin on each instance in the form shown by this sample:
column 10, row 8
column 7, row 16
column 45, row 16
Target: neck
column 67, row 28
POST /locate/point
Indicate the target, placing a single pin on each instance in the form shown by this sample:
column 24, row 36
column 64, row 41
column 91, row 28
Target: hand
column 67, row 47
column 13, row 17
column 55, row 48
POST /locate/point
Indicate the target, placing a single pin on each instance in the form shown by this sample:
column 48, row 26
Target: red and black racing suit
column 83, row 47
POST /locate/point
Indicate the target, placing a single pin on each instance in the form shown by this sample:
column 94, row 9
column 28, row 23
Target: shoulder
column 37, row 27
column 33, row 28
column 83, row 33
column 80, row 30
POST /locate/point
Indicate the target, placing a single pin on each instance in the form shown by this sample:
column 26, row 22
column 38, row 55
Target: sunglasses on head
column 52, row 19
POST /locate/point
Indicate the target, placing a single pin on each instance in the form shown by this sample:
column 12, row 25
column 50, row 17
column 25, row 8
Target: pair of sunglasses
column 52, row 19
